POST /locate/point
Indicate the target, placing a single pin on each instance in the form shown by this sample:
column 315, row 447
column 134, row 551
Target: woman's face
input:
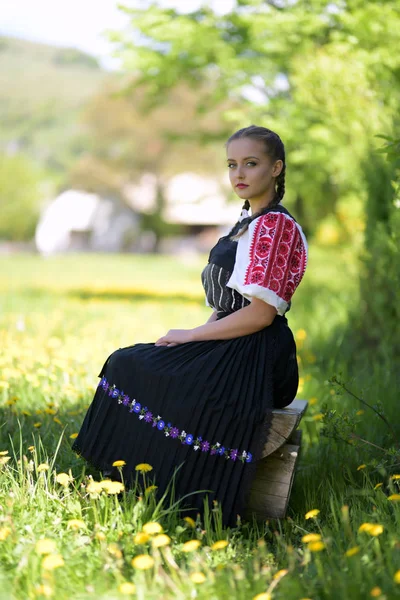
column 251, row 171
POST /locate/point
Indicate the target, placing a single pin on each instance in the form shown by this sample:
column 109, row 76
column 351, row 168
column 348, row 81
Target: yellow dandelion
column 57, row 420
column 311, row 537
column 396, row 577
column 313, row 401
column 395, row 477
column 152, row 528
column 378, row 485
column 316, row 546
column 37, row 425
column 143, row 468
column 394, row 497
column 318, row 417
column 4, row 533
column 198, row 577
column 52, row 561
column 311, row 514
column 100, row 536
column 191, row 546
column 45, row 546
column 352, row 551
column 63, row 479
column 127, row 588
column 361, row 467
column 119, row 463
column 263, row 596
column 44, row 590
column 94, row 488
column 76, row 524
column 143, row 562
column 376, row 592
column 4, row 459
column 43, row 467
column 112, row 487
column 360, row 412
column 114, row 550
column 4, row 385
column 371, row 528
column 161, row 540
column 191, row 522
column 150, row 489
column 73, row 436
column 141, row 538
column 3, row 452
column 219, row 545
column 280, row 574
column 301, row 335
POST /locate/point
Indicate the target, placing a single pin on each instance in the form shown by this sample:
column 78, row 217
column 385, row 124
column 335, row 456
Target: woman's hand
column 175, row 337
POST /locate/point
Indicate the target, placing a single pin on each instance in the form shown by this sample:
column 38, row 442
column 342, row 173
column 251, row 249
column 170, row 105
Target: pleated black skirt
column 200, row 406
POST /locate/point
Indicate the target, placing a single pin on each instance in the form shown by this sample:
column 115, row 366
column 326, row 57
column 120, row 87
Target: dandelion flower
column 45, row 546
column 219, row 545
column 352, row 551
column 152, row 528
column 280, row 574
column 378, row 485
column 73, row 436
column 114, row 550
column 112, row 487
column 395, row 477
column 150, row 489
column 94, row 488
column 263, row 596
column 127, row 588
column 313, row 401
column 301, row 335
column 191, row 546
column 44, row 590
column 311, row 514
column 361, row 467
column 143, row 468
column 119, row 463
column 394, row 497
column 318, row 417
column 4, row 459
column 316, row 546
column 43, row 467
column 37, row 425
column 371, row 528
column 191, row 522
column 3, row 452
column 161, row 540
column 31, row 448
column 311, row 537
column 4, row 533
column 63, row 479
column 143, row 562
column 100, row 536
column 396, row 577
column 376, row 592
column 198, row 577
column 141, row 538
column 52, row 561
column 76, row 524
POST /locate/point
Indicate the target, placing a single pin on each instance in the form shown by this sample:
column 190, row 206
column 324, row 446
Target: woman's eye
column 252, row 163
column 230, row 165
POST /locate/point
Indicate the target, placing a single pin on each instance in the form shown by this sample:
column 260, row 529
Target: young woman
column 199, row 399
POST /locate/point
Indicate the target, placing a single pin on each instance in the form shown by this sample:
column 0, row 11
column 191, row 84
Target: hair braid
column 275, row 149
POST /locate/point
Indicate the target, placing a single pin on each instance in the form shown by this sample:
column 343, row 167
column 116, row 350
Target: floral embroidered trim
column 170, row 430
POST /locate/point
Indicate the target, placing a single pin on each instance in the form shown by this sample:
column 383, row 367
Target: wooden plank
column 269, row 495
column 284, row 422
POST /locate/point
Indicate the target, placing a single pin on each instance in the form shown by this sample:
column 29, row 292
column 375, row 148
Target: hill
column 42, row 91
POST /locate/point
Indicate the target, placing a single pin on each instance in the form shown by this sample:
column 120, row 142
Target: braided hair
column 275, row 149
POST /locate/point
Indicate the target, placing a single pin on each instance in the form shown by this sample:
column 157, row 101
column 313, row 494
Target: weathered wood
column 272, row 484
column 284, row 422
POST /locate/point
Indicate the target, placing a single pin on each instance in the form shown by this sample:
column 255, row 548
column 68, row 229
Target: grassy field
column 63, row 535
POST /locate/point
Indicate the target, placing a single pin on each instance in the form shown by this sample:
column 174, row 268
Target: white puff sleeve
column 271, row 259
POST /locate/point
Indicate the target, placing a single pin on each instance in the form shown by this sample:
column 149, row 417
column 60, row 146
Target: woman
column 199, row 399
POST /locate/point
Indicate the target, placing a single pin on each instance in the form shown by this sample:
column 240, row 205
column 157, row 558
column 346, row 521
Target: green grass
column 59, row 319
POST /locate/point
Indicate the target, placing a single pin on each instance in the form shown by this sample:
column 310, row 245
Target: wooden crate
column 270, row 492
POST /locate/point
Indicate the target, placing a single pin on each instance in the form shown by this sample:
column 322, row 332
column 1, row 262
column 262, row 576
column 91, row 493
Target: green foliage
column 21, row 189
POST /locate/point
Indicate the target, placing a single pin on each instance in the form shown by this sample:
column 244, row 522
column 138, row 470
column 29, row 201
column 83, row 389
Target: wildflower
column 4, row 533
column 191, row 546
column 73, row 436
column 316, row 546
column 394, row 497
column 31, row 448
column 311, row 514
column 197, row 577
column 63, row 479
column 280, row 574
column 360, row 412
column 301, row 335
column 114, row 550
column 45, row 546
column 94, row 488
column 191, row 522
column 395, row 477
column 161, row 540
column 119, row 463
column 52, row 561
column 151, row 488
column 143, row 562
column 44, row 590
column 371, row 528
column 112, row 487
column 43, row 467
column 263, row 596
column 76, row 524
column 100, row 536
column 377, row 486
column 352, row 551
column 313, row 401
column 376, row 592
column 219, row 545
column 141, row 538
column 311, row 537
column 3, row 452
column 318, row 417
column 361, row 467
column 57, row 420
column 4, row 459
column 143, row 468
column 127, row 588
column 37, row 425
column 396, row 577
column 152, row 528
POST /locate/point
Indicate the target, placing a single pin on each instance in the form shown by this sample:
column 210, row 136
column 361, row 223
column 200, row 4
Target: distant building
column 77, row 221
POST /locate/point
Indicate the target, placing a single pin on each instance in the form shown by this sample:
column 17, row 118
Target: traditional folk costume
column 205, row 406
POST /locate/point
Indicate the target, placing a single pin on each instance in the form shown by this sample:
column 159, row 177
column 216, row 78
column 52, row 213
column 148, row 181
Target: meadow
column 66, row 533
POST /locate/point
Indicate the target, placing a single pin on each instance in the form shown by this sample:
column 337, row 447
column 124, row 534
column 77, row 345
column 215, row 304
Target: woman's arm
column 254, row 317
column 213, row 317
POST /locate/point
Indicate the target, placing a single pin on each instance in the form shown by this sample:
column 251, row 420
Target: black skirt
column 200, row 406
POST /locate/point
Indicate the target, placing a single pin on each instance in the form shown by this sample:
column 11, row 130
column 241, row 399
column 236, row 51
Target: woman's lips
column 242, row 186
